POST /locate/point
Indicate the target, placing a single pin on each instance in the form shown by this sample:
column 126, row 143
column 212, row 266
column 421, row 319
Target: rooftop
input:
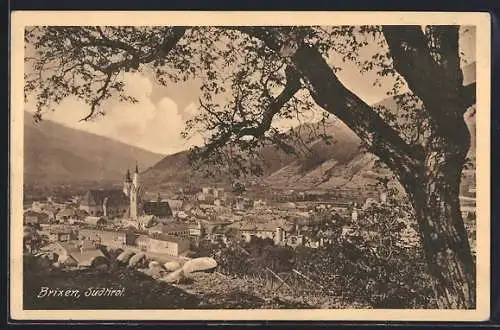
column 67, row 212
column 157, row 208
column 96, row 197
column 169, row 227
column 85, row 258
column 161, row 237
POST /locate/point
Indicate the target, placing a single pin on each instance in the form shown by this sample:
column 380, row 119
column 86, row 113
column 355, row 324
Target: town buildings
column 34, row 218
column 179, row 230
column 74, row 253
column 160, row 243
column 108, row 203
column 61, row 233
column 126, row 204
column 119, row 239
column 169, row 226
column 111, row 238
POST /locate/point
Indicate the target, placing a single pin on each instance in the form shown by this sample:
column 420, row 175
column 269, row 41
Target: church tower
column 134, row 195
column 127, row 183
column 136, row 176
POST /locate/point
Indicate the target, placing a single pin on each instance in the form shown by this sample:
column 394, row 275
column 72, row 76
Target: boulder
column 125, row 256
column 175, row 277
column 62, row 259
column 199, row 265
column 156, row 272
column 134, row 261
column 145, row 271
column 172, row 266
column 153, row 264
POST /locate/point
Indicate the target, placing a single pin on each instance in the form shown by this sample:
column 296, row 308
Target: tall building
column 133, row 189
column 138, row 207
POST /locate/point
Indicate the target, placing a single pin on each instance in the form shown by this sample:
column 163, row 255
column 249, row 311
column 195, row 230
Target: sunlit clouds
column 154, row 126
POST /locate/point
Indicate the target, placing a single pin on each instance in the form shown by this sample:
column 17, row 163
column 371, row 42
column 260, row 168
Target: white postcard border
column 480, row 20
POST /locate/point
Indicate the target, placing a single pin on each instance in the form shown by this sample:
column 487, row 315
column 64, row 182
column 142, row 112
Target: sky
column 156, row 121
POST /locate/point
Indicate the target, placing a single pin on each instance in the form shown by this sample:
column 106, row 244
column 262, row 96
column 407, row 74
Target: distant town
column 168, row 229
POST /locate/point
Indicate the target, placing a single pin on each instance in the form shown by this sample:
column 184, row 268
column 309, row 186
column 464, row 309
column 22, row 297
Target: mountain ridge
column 55, row 153
column 337, row 165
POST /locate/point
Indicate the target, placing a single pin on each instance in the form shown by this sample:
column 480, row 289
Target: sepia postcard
column 250, row 166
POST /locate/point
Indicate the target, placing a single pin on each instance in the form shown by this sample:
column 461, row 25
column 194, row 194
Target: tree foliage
column 247, row 81
column 32, row 239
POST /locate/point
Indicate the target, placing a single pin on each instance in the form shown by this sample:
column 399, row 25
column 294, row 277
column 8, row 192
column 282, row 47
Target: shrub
column 372, row 265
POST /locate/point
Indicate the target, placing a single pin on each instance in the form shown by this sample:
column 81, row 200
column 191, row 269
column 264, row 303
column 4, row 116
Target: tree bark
column 434, row 188
column 434, row 192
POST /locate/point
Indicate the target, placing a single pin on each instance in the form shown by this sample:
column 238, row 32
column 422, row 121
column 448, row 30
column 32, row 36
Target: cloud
column 155, row 127
column 164, row 128
column 190, row 111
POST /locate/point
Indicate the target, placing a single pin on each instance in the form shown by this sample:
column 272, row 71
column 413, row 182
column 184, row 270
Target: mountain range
column 340, row 164
column 56, row 154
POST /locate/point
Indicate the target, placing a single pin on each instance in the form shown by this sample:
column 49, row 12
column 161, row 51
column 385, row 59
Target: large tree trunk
column 433, row 74
column 434, row 191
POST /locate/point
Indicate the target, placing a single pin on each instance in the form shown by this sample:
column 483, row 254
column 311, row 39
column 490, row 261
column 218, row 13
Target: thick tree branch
column 437, row 80
column 169, row 42
column 239, row 130
column 412, row 58
column 265, row 34
column 330, row 94
column 110, row 43
column 291, row 87
column 334, row 97
column 135, row 58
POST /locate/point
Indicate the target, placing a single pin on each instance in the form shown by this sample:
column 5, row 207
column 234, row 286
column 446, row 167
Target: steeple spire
column 134, row 194
column 127, row 176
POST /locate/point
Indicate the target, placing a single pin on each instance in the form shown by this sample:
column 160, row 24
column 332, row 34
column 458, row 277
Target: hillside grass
column 141, row 291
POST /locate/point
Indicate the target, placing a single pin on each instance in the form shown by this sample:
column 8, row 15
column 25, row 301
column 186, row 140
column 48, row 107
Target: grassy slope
column 141, row 291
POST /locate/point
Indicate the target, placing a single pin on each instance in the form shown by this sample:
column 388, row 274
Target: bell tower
column 127, row 183
column 136, row 176
column 134, row 195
